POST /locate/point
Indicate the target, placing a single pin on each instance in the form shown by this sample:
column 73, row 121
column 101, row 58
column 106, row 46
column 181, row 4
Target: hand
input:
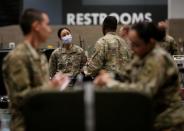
column 60, row 80
column 103, row 78
column 82, row 71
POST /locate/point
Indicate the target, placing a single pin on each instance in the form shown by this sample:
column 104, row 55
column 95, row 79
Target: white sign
column 97, row 18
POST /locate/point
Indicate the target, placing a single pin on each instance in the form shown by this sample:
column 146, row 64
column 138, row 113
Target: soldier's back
column 111, row 53
column 116, row 52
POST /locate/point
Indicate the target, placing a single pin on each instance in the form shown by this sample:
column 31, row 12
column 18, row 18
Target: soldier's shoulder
column 100, row 42
column 114, row 38
column 169, row 38
column 161, row 55
column 56, row 51
column 109, row 38
column 78, row 49
column 15, row 55
column 159, row 52
column 19, row 51
column 121, row 40
column 155, row 60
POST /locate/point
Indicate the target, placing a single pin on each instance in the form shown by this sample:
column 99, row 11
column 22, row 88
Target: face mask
column 67, row 39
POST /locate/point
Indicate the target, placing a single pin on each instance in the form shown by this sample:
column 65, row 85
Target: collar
column 32, row 50
column 112, row 33
column 71, row 50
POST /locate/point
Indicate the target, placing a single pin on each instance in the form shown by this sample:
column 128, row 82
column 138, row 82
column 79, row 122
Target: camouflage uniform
column 156, row 76
column 25, row 72
column 111, row 53
column 170, row 45
column 67, row 61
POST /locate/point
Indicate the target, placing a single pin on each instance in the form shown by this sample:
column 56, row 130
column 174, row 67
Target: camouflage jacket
column 156, row 76
column 67, row 61
column 170, row 45
column 25, row 72
column 111, row 53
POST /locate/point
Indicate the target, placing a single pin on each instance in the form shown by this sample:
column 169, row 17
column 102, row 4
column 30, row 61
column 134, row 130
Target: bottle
column 79, row 81
column 5, row 125
column 5, row 120
column 89, row 99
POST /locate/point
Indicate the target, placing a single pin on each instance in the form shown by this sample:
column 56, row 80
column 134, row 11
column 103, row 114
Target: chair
column 62, row 111
column 120, row 111
column 65, row 111
column 3, row 53
column 47, row 52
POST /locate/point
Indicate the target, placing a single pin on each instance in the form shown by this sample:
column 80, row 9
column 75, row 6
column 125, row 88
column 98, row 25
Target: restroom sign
column 77, row 13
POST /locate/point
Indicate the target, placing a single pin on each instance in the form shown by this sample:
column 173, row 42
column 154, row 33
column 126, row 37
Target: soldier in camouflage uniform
column 153, row 73
column 168, row 42
column 25, row 70
column 123, row 33
column 69, row 58
column 111, row 52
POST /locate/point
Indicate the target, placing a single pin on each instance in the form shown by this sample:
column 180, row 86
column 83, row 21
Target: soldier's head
column 124, row 30
column 163, row 24
column 162, row 28
column 143, row 37
column 109, row 24
column 35, row 22
column 64, row 34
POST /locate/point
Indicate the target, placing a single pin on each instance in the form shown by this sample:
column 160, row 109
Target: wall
column 89, row 34
column 176, row 22
column 176, row 9
column 56, row 9
column 124, row 2
column 52, row 7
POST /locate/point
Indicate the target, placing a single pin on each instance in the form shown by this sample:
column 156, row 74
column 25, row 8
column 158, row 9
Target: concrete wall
column 89, row 34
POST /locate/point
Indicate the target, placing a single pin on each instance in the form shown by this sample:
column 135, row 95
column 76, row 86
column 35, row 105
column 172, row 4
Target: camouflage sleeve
column 148, row 81
column 94, row 65
column 83, row 59
column 16, row 76
column 174, row 46
column 52, row 65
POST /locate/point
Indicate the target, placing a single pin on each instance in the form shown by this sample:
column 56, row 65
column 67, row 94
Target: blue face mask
column 67, row 39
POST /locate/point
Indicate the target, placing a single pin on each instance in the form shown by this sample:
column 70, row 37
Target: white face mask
column 67, row 39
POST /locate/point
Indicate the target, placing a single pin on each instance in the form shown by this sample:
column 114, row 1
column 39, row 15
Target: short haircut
column 61, row 29
column 110, row 23
column 161, row 33
column 146, row 30
column 28, row 17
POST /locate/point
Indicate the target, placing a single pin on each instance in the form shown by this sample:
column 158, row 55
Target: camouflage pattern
column 156, row 76
column 67, row 61
column 170, row 45
column 111, row 53
column 25, row 72
column 179, row 127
